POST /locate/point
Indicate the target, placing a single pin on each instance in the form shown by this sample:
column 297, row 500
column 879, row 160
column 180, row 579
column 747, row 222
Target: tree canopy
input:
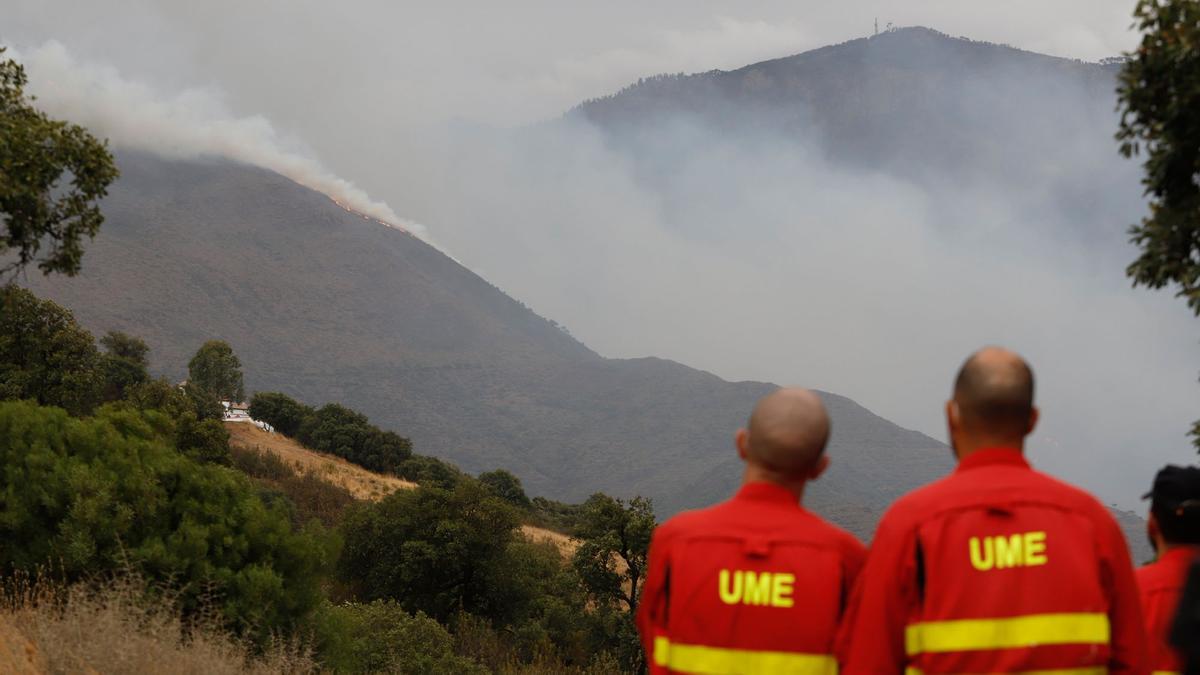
column 125, row 364
column 217, row 370
column 1160, row 115
column 429, row 549
column 52, row 174
column 45, row 355
column 88, row 495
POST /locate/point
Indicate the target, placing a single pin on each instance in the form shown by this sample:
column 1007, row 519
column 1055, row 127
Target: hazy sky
column 389, row 96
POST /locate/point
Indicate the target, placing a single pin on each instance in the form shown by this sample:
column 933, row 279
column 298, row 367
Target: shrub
column 430, row 549
column 281, row 411
column 340, row 431
column 92, row 495
column 261, row 464
column 45, row 355
column 506, row 486
column 380, row 637
column 431, row 472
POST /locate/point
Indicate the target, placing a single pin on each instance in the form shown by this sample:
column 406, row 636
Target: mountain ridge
column 327, row 306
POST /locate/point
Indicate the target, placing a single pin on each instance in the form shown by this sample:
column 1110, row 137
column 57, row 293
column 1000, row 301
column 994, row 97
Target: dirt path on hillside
column 361, row 483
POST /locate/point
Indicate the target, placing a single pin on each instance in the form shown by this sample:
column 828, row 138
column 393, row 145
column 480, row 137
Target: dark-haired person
column 1174, row 529
column 756, row 584
column 997, row 568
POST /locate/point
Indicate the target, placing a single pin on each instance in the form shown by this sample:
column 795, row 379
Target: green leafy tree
column 1159, row 96
column 94, row 495
column 615, row 538
column 506, row 486
column 125, row 364
column 45, row 355
column 215, row 369
column 52, row 174
column 195, row 416
column 430, row 549
column 281, row 411
column 611, row 563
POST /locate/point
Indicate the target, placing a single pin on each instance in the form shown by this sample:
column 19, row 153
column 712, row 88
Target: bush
column 380, row 637
column 431, row 472
column 506, row 486
column 340, row 431
column 125, row 364
column 284, row 413
column 557, row 516
column 261, row 464
column 98, row 494
column 45, row 356
column 430, row 549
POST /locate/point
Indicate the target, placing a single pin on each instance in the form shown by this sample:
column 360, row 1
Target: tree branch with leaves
column 52, row 174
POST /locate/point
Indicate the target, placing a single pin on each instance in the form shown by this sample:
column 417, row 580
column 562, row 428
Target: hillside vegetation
column 359, row 482
column 136, row 512
column 328, row 307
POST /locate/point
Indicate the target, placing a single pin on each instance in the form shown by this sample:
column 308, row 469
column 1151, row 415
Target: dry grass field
column 361, row 483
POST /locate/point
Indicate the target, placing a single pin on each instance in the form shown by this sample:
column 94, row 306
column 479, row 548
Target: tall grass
column 116, row 627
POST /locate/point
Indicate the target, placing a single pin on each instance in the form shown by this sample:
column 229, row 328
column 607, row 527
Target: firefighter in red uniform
column 1174, row 527
column 756, row 584
column 997, row 568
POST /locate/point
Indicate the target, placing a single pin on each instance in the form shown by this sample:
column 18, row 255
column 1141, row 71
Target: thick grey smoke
column 756, row 257
column 193, row 123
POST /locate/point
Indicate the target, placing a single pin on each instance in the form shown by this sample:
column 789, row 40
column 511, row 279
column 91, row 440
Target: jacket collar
column 762, row 491
column 994, row 457
column 1180, row 556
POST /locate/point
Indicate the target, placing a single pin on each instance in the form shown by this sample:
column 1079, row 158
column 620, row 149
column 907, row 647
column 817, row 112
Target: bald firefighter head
column 993, row 402
column 784, row 441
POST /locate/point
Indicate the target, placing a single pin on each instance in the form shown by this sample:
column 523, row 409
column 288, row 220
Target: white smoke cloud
column 192, row 123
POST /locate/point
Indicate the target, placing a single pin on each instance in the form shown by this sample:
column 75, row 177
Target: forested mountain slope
column 327, row 306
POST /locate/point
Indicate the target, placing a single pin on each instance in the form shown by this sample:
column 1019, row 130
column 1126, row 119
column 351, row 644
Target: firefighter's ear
column 819, row 468
column 1033, row 420
column 742, row 440
column 953, row 417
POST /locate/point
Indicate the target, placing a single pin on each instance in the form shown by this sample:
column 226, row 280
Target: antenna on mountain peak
column 876, row 27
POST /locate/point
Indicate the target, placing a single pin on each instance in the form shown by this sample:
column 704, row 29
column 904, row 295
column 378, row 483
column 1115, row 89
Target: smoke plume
column 195, row 122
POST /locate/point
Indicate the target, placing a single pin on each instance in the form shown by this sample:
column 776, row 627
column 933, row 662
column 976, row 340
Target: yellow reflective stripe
column 1166, row 672
column 1101, row 670
column 1022, row 631
column 1063, row 671
column 720, row 661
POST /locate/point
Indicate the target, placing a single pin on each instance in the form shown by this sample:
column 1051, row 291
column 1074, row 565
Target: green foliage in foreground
column 87, row 496
column 52, row 174
column 45, row 356
column 1159, row 99
column 430, row 549
column 380, row 637
column 125, row 364
column 196, row 429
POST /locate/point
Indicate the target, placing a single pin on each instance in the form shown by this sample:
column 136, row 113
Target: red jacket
column 1161, row 584
column 996, row 568
column 756, row 584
